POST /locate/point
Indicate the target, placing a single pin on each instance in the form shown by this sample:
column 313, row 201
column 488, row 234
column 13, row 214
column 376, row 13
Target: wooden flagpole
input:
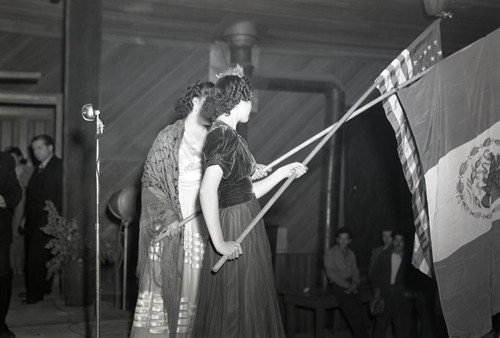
column 327, row 130
column 182, row 223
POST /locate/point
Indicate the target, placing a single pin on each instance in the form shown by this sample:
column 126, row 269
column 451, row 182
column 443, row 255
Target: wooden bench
column 297, row 272
column 317, row 300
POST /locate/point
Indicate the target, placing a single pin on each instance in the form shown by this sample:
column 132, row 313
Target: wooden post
column 82, row 54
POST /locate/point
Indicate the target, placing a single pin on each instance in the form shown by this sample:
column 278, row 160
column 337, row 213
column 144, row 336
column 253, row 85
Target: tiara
column 232, row 71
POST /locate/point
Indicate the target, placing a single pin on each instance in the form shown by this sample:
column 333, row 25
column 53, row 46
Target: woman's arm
column 160, row 212
column 158, row 215
column 262, row 187
column 210, row 206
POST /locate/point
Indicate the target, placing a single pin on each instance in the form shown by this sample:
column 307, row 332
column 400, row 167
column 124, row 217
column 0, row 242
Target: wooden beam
column 23, row 98
column 20, row 76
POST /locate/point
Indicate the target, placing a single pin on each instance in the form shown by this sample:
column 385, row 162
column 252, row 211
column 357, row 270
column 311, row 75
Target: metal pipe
column 97, row 234
column 125, row 259
column 330, row 192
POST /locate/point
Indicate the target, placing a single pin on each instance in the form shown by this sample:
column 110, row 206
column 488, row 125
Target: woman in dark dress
column 240, row 299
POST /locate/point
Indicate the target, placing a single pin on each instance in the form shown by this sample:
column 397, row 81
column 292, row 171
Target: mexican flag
column 452, row 116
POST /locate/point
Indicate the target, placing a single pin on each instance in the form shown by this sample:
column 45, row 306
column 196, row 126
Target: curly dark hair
column 47, row 139
column 399, row 232
column 229, row 91
column 184, row 105
column 343, row 230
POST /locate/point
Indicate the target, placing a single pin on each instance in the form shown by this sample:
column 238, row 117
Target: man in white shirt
column 386, row 235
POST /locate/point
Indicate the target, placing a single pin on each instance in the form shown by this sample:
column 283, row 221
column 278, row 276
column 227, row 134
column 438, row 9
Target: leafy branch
column 66, row 244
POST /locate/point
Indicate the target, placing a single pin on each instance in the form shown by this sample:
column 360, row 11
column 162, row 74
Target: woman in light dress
column 170, row 255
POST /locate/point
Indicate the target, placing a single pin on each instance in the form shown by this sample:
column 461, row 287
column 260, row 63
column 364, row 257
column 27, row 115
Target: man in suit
column 10, row 195
column 391, row 283
column 45, row 185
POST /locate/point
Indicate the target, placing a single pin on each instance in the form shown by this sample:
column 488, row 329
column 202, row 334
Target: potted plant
column 71, row 256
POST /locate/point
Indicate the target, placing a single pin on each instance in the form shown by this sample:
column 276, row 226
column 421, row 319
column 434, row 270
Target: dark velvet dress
column 240, row 299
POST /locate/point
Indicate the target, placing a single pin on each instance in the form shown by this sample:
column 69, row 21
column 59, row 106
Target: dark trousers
column 424, row 308
column 5, row 283
column 353, row 311
column 397, row 310
column 36, row 265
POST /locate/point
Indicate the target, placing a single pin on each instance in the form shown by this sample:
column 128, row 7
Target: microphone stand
column 89, row 114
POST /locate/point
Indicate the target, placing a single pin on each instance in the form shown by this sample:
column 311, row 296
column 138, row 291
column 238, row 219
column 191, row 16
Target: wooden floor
column 52, row 318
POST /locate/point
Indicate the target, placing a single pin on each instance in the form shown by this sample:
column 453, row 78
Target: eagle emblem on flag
column 478, row 185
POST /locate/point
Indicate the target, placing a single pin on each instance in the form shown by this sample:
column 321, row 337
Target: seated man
column 343, row 274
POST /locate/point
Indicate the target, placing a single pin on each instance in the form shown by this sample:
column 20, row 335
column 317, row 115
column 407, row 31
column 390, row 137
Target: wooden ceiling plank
column 20, row 76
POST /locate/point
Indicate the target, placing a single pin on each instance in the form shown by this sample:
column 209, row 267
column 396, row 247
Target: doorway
column 23, row 116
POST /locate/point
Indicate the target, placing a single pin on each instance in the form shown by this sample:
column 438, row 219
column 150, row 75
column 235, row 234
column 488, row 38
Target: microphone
column 88, row 112
column 91, row 114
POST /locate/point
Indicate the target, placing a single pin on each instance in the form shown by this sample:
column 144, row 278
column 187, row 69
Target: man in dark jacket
column 45, row 185
column 10, row 195
column 390, row 281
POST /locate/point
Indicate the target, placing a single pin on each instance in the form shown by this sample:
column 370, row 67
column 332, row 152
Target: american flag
column 424, row 52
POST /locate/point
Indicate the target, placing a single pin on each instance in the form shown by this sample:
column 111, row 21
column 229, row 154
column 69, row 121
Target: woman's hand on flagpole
column 262, row 187
column 293, row 168
column 170, row 231
column 230, row 249
column 260, row 172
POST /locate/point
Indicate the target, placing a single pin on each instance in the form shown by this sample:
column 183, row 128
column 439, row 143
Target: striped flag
column 453, row 115
column 424, row 52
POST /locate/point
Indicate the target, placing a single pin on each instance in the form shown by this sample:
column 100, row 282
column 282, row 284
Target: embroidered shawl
column 161, row 263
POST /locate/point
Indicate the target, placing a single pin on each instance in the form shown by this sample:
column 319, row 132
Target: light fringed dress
column 169, row 270
column 195, row 232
